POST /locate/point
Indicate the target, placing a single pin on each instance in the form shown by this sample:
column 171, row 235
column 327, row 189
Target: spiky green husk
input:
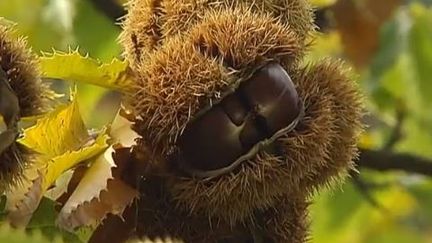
column 150, row 23
column 21, row 69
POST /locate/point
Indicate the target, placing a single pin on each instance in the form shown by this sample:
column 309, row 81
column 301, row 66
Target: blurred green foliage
column 397, row 79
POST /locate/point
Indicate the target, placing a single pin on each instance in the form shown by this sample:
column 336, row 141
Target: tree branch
column 389, row 161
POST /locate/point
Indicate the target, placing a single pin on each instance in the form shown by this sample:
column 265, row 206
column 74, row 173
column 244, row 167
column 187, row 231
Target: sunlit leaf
column 62, row 163
column 58, row 132
column 401, row 72
column 325, row 45
column 62, row 142
column 60, row 187
column 43, row 33
column 73, row 66
column 22, row 208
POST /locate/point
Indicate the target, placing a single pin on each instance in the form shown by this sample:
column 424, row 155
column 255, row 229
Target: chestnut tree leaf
column 48, row 173
column 66, row 161
column 95, row 179
column 61, row 141
column 58, row 132
column 75, row 67
column 114, row 200
column 43, row 220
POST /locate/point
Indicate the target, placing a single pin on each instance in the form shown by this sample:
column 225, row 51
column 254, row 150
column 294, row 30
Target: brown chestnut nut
column 230, row 132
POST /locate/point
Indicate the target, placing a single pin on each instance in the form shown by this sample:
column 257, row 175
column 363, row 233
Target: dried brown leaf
column 113, row 200
column 95, row 179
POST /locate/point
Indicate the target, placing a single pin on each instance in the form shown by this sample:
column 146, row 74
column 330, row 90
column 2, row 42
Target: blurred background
column 388, row 44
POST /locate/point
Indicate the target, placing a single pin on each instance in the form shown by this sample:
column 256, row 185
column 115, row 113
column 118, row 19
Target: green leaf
column 73, row 66
column 84, row 233
column 403, row 68
column 54, row 233
column 66, row 161
column 43, row 220
column 10, row 235
column 45, row 215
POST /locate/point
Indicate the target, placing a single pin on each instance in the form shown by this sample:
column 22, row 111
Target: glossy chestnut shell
column 260, row 110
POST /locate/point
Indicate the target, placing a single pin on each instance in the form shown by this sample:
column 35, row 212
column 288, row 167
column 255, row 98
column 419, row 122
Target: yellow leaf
column 56, row 166
column 322, row 3
column 58, row 132
column 62, row 142
column 22, row 209
column 114, row 200
column 75, row 67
